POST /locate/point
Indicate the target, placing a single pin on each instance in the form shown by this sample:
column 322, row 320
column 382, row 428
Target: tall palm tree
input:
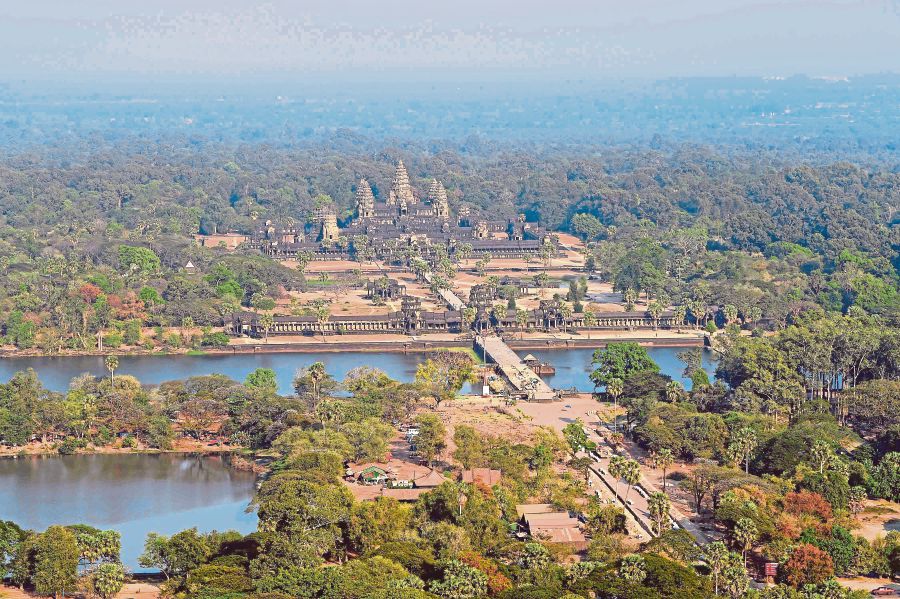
column 112, row 363
column 631, row 473
column 266, row 321
column 629, row 296
column 663, row 459
column 615, row 470
column 615, row 387
column 716, row 555
column 658, row 506
column 655, row 309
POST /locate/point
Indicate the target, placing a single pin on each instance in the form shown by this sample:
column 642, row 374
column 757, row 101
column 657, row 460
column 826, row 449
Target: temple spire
column 365, row 201
column 401, row 191
column 437, row 196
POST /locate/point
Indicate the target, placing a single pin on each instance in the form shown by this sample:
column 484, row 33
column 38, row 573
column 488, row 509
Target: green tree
column 108, row 580
column 139, row 260
column 743, row 444
column 586, row 226
column 55, row 561
column 431, row 440
column 312, row 382
column 263, row 380
column 441, row 377
column 368, row 438
column 460, row 582
column 470, row 450
column 266, row 321
column 716, row 556
column 11, row 537
column 631, row 474
column 619, row 360
column 633, row 569
column 734, row 576
column 577, row 438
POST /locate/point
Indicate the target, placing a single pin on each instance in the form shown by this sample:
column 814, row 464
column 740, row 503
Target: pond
column 134, row 494
column 572, row 366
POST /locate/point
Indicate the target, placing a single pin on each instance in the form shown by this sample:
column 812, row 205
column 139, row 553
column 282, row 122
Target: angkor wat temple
column 387, row 229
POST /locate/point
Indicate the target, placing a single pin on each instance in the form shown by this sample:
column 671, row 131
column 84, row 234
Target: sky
column 97, row 40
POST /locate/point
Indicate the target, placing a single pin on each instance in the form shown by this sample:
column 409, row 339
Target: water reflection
column 134, row 494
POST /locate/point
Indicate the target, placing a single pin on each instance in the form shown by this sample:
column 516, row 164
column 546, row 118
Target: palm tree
column 716, row 554
column 663, row 459
column 629, row 296
column 745, row 534
column 680, row 314
column 615, row 470
column 615, row 387
column 698, row 311
column 655, row 310
column 112, row 363
column 565, row 310
column 658, row 507
column 730, row 312
column 521, row 321
column 673, row 391
column 266, row 321
column 633, row 569
column 631, row 474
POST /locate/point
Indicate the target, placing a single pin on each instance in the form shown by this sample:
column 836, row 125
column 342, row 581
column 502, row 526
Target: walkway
column 451, row 299
column 520, row 376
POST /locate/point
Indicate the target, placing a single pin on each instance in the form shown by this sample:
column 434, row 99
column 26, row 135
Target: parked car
column 884, row 592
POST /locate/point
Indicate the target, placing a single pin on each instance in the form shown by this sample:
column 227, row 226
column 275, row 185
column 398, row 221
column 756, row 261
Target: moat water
column 572, row 366
column 134, row 494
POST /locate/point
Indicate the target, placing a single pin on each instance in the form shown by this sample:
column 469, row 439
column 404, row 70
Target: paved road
column 637, row 502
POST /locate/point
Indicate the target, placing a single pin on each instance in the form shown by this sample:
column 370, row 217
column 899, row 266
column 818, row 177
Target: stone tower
column 480, row 231
column 329, row 232
column 437, row 196
column 365, row 201
column 401, row 191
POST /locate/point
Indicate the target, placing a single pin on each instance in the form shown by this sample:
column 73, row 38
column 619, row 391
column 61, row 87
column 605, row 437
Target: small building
column 372, row 475
column 421, row 485
column 542, row 522
column 429, row 481
column 482, row 476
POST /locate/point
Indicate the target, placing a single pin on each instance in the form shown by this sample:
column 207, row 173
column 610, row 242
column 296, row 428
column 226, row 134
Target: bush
column 68, row 446
column 113, row 340
column 214, row 340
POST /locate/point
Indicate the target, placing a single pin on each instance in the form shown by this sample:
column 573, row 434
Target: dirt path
column 134, row 590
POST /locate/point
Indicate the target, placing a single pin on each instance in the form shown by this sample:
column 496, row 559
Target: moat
column 572, row 366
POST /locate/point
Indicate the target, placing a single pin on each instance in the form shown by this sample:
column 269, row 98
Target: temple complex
column 402, row 225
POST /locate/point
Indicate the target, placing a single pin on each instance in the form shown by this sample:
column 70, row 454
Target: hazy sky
column 97, row 39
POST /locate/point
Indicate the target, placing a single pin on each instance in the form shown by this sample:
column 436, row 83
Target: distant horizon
column 266, row 83
column 103, row 40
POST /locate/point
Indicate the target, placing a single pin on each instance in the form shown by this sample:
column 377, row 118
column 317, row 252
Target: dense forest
column 98, row 243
